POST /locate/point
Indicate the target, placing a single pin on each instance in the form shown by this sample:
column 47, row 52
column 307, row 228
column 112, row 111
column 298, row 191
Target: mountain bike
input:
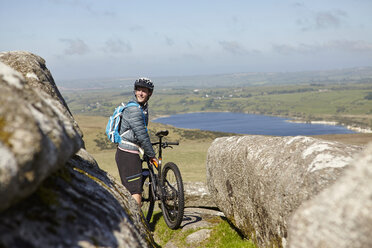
column 164, row 185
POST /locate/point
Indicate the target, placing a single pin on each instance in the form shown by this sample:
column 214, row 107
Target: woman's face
column 142, row 94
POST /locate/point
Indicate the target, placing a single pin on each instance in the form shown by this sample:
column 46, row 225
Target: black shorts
column 130, row 170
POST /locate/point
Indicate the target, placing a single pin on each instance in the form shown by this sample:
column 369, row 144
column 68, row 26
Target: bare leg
column 138, row 198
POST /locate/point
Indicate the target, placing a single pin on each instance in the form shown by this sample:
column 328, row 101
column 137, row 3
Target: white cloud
column 117, row 46
column 233, row 47
column 236, row 25
column 285, row 49
column 169, row 41
column 322, row 20
column 329, row 19
column 298, row 4
column 76, row 46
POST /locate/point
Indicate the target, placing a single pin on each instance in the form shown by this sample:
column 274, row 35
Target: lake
column 248, row 124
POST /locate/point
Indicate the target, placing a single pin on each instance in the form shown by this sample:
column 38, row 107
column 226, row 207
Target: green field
column 349, row 104
column 345, row 103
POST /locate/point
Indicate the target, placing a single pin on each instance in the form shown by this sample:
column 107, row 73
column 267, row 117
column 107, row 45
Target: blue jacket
column 133, row 129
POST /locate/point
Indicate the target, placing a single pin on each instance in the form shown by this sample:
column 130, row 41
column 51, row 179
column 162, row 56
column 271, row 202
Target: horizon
column 216, row 74
column 84, row 39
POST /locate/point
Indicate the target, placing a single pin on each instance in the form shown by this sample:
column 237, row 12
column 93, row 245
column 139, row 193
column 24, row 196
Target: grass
column 222, row 234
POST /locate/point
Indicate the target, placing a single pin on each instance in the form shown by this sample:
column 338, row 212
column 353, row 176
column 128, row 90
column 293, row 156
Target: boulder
column 198, row 236
column 259, row 181
column 77, row 206
column 197, row 195
column 37, row 76
column 341, row 215
column 36, row 135
column 53, row 194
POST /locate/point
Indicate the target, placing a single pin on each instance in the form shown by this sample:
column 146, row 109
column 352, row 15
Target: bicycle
column 165, row 186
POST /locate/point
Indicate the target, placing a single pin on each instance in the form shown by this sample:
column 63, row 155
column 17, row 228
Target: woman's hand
column 154, row 161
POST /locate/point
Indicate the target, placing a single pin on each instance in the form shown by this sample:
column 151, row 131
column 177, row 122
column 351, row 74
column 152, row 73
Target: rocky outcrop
column 36, row 136
column 341, row 215
column 37, row 75
column 197, row 195
column 53, row 194
column 258, row 181
column 77, row 206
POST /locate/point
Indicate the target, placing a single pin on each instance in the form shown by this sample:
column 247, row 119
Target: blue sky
column 120, row 38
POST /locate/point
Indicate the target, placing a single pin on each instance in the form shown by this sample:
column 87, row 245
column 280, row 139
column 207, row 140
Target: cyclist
column 135, row 139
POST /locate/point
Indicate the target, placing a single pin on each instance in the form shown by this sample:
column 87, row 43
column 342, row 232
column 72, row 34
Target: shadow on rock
column 77, row 206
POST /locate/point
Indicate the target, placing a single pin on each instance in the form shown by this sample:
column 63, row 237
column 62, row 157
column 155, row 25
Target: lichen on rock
column 34, row 131
column 259, row 181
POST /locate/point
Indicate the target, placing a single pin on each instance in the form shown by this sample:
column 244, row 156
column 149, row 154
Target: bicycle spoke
column 172, row 201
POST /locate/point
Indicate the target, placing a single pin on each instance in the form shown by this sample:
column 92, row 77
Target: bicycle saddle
column 162, row 133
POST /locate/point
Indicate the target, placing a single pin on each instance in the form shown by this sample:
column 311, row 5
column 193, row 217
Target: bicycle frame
column 154, row 179
column 163, row 185
column 157, row 192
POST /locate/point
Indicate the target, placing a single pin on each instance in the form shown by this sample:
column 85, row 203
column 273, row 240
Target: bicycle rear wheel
column 172, row 202
column 148, row 201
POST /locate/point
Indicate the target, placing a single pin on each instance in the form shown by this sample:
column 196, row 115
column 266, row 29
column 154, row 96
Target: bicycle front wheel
column 148, row 200
column 172, row 202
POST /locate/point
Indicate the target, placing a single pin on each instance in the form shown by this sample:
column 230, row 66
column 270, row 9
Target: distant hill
column 351, row 75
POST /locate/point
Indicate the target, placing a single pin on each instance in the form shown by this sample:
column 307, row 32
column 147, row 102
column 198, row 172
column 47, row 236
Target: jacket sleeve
column 137, row 124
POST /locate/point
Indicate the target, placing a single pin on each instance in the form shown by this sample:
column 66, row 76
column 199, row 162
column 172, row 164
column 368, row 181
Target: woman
column 135, row 139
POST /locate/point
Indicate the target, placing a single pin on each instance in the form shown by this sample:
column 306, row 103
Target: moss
column 224, row 235
column 4, row 135
column 276, row 242
column 251, row 232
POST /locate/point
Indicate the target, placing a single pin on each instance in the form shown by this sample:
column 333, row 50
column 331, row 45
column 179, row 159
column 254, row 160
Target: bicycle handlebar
column 166, row 143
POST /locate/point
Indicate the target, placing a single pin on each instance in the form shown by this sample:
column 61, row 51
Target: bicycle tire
column 172, row 202
column 148, row 202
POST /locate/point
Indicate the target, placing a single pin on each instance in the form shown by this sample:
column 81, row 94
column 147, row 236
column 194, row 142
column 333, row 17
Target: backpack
column 113, row 124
